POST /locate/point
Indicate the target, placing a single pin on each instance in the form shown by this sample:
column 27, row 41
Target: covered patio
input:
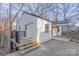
column 58, row 28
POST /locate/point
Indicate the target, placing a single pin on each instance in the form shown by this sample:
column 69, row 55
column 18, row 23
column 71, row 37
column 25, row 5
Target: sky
column 70, row 13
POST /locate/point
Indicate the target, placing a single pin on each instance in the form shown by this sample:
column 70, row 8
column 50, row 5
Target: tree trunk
column 9, row 30
column 2, row 39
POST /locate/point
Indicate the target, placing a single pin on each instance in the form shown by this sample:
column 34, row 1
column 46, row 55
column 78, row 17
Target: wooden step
column 27, row 38
column 24, row 40
column 26, row 43
column 29, row 49
column 27, row 46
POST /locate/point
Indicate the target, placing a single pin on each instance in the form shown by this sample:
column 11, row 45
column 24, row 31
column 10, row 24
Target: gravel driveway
column 54, row 48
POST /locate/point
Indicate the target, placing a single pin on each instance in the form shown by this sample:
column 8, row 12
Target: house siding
column 41, row 35
column 31, row 25
column 36, row 30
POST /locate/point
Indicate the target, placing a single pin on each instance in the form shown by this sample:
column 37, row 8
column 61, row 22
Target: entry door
column 55, row 31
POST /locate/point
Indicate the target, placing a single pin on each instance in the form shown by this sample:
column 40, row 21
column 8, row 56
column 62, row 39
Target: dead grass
column 72, row 35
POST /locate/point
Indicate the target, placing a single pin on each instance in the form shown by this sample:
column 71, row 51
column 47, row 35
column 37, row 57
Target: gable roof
column 53, row 22
column 36, row 16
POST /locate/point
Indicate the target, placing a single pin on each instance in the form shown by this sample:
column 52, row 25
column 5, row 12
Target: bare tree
column 19, row 10
column 55, row 12
column 8, row 13
column 69, row 11
column 39, row 9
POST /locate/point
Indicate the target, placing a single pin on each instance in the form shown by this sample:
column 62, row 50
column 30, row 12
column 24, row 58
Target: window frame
column 46, row 28
column 25, row 26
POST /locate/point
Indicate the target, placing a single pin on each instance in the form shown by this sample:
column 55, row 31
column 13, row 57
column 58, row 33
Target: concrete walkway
column 61, row 38
column 54, row 48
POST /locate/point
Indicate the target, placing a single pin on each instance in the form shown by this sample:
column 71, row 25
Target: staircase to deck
column 27, row 46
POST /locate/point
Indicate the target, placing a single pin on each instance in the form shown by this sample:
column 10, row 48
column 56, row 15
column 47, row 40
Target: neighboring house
column 38, row 28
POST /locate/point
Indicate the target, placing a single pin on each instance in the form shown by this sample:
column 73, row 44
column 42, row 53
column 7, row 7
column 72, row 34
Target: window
column 24, row 33
column 19, row 28
column 58, row 29
column 25, row 27
column 46, row 28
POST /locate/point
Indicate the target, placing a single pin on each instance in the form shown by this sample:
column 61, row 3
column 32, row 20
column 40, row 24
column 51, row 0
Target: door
column 55, row 31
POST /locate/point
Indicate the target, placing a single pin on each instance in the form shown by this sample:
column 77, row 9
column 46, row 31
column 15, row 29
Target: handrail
column 17, row 45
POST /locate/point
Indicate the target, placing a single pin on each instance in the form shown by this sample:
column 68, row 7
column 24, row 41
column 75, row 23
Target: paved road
column 55, row 48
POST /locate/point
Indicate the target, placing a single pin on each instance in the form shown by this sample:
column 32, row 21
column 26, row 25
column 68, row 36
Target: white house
column 38, row 28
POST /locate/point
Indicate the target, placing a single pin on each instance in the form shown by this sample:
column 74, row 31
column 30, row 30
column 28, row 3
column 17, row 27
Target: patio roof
column 59, row 23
